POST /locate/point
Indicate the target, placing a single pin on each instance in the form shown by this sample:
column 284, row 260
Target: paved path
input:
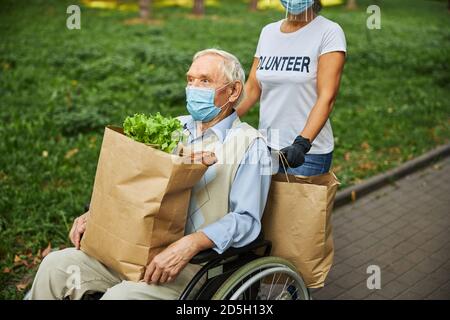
column 403, row 228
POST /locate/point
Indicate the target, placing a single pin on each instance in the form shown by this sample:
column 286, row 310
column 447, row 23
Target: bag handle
column 283, row 160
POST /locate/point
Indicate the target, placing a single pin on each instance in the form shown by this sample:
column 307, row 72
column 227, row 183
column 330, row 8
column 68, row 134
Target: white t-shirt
column 287, row 75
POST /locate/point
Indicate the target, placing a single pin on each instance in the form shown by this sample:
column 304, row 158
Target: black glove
column 295, row 153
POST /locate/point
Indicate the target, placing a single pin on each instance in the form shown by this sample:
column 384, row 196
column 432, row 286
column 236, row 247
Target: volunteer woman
column 295, row 75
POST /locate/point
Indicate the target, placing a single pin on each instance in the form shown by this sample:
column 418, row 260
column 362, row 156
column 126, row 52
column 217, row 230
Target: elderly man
column 225, row 208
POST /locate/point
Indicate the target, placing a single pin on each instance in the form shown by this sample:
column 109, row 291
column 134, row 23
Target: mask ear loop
column 306, row 13
column 286, row 16
column 228, row 97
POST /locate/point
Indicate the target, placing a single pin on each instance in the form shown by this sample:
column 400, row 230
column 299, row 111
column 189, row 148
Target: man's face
column 205, row 73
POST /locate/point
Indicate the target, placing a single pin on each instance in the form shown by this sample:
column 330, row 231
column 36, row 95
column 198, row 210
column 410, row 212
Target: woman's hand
column 78, row 228
column 294, row 154
column 252, row 91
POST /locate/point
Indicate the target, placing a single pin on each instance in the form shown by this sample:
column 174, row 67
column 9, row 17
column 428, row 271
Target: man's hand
column 166, row 266
column 295, row 153
column 78, row 228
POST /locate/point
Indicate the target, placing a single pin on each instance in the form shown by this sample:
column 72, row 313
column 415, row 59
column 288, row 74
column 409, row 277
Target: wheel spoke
column 270, row 290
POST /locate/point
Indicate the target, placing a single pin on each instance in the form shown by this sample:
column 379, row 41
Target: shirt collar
column 219, row 129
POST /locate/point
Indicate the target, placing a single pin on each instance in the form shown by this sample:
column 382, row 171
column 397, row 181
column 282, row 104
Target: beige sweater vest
column 210, row 196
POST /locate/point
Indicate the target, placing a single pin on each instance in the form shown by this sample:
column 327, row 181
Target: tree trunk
column 145, row 9
column 254, row 5
column 199, row 7
column 351, row 4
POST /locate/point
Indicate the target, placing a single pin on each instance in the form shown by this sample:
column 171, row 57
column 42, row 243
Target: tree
column 145, row 9
column 351, row 4
column 199, row 7
column 254, row 5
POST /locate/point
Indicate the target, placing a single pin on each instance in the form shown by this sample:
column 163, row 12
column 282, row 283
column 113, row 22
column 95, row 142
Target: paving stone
column 367, row 242
column 375, row 296
column 405, row 248
column 401, row 266
column 350, row 280
column 383, row 232
column 411, row 277
column 428, row 265
column 426, row 287
column 328, row 292
column 409, row 295
column 416, row 256
column 358, row 292
column 393, row 289
column 339, row 270
column 442, row 254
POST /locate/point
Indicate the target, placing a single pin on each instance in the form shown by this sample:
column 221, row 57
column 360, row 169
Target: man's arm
column 248, row 197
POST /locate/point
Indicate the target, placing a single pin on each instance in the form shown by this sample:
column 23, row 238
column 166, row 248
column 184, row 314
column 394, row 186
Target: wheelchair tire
column 250, row 275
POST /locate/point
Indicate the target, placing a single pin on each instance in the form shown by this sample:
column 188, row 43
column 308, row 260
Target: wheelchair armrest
column 210, row 254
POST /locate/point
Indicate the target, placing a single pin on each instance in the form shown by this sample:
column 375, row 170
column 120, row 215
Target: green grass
column 59, row 88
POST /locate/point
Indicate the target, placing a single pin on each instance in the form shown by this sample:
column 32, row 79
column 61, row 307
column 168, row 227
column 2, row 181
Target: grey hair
column 231, row 68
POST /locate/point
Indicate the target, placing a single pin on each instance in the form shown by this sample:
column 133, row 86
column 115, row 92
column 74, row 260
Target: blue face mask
column 296, row 6
column 200, row 103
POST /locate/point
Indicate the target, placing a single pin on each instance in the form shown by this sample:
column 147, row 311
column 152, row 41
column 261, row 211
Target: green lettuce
column 162, row 132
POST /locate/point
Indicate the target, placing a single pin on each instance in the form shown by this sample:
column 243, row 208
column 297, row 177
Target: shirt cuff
column 217, row 234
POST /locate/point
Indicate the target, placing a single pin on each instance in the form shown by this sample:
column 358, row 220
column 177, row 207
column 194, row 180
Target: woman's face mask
column 200, row 103
column 296, row 6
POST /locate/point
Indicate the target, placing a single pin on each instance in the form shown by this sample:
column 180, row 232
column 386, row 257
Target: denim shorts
column 314, row 165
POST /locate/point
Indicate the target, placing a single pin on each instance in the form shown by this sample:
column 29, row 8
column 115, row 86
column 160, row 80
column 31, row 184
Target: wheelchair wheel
column 267, row 278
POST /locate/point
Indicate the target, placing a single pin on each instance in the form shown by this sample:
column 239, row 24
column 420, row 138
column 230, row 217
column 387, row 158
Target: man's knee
column 52, row 274
column 121, row 291
column 61, row 260
column 129, row 290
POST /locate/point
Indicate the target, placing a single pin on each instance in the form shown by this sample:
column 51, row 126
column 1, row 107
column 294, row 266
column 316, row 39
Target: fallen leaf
column 3, row 176
column 347, row 156
column 71, row 153
column 365, row 145
column 23, row 284
column 6, row 270
column 365, row 166
column 36, row 261
column 395, row 150
column 17, row 259
column 46, row 251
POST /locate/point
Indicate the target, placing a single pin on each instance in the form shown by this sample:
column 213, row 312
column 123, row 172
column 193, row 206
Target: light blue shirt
column 248, row 193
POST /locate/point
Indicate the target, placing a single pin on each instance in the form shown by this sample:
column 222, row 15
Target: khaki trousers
column 70, row 273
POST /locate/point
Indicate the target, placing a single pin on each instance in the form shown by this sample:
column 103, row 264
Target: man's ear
column 237, row 90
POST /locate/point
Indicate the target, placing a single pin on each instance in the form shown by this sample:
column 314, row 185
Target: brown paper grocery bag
column 139, row 203
column 297, row 219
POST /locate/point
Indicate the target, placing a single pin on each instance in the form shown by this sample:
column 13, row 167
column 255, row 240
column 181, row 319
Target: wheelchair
column 246, row 273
